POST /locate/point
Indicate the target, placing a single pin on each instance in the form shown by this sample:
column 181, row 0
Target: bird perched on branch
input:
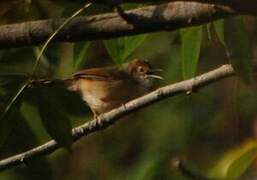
column 105, row 88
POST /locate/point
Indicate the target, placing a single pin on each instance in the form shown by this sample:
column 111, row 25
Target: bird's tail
column 65, row 83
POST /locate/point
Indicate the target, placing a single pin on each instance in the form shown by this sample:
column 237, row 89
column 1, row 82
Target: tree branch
column 109, row 118
column 247, row 3
column 165, row 17
column 244, row 7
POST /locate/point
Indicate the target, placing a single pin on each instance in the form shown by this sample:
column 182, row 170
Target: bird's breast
column 103, row 96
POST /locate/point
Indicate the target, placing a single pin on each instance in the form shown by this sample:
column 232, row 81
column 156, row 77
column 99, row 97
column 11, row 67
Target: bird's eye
column 140, row 69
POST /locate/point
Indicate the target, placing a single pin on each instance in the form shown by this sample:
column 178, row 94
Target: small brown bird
column 105, row 88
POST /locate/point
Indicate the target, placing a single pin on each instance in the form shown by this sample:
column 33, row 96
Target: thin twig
column 105, row 120
column 28, row 81
column 13, row 100
column 55, row 33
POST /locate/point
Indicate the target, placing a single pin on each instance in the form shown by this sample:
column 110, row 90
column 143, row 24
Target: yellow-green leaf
column 235, row 162
column 191, row 46
column 80, row 54
column 120, row 48
column 219, row 29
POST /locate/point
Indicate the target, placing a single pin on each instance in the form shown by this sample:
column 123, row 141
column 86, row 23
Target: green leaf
column 234, row 163
column 9, row 83
column 174, row 61
column 31, row 117
column 191, row 46
column 21, row 139
column 148, row 169
column 12, row 80
column 132, row 6
column 44, row 60
column 66, row 59
column 80, row 54
column 120, row 48
column 7, row 123
column 53, row 118
column 208, row 31
column 219, row 29
column 238, row 47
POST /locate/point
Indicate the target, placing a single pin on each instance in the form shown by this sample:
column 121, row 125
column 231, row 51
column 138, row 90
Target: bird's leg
column 95, row 115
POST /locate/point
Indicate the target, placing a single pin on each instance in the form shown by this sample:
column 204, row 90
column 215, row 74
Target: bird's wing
column 101, row 74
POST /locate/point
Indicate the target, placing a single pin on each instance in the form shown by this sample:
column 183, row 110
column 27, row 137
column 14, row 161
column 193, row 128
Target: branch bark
column 165, row 17
column 245, row 7
column 109, row 118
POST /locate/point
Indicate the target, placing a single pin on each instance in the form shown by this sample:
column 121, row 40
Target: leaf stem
column 27, row 82
column 13, row 100
column 54, row 34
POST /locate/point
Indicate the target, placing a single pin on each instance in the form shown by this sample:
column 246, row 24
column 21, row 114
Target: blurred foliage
column 53, row 116
column 238, row 47
column 234, row 163
column 213, row 129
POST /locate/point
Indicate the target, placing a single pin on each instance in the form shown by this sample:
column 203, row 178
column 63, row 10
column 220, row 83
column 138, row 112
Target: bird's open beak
column 151, row 74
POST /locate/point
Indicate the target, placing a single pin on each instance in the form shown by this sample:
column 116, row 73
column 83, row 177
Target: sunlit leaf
column 54, row 120
column 235, row 162
column 238, row 47
column 120, row 48
column 80, row 54
column 191, row 46
column 219, row 29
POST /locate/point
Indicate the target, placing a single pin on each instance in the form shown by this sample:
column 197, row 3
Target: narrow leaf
column 121, row 48
column 235, row 162
column 21, row 139
column 53, row 118
column 7, row 124
column 80, row 54
column 191, row 46
column 8, row 104
column 208, row 30
column 219, row 29
column 66, row 59
column 238, row 47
